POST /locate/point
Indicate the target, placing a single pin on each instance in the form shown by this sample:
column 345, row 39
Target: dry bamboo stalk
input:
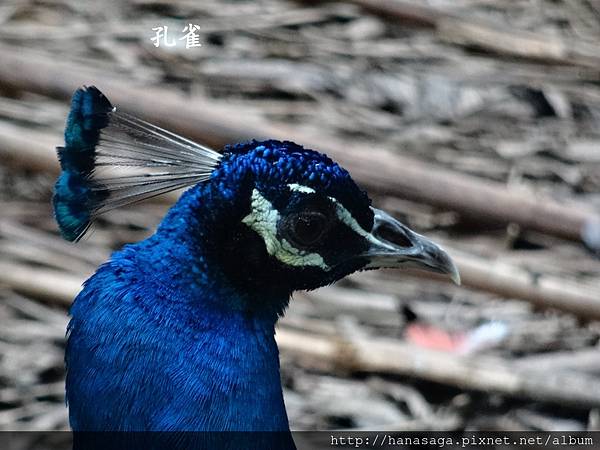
column 510, row 281
column 25, row 148
column 479, row 373
column 543, row 291
column 377, row 169
column 498, row 278
column 582, row 360
column 367, row 354
column 502, row 279
column 51, row 285
column 487, row 35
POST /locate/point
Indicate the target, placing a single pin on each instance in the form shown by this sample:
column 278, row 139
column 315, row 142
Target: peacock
column 177, row 332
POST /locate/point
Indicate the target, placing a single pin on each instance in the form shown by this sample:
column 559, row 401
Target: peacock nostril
column 393, row 235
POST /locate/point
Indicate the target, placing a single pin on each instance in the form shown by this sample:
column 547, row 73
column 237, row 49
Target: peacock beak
column 392, row 244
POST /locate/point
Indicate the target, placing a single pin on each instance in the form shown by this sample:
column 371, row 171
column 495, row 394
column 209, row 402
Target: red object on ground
column 434, row 338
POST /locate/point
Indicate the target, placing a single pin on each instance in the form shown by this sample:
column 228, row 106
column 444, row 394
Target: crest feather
column 112, row 159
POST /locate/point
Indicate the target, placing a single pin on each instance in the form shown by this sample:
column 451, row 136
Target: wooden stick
column 478, row 372
column 486, row 35
column 496, row 277
column 379, row 170
column 503, row 279
column 51, row 285
column 28, row 149
column 510, row 281
column 582, row 360
column 35, row 150
column 367, row 354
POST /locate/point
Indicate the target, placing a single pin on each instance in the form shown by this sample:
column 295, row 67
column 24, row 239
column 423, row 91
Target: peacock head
column 291, row 218
column 273, row 214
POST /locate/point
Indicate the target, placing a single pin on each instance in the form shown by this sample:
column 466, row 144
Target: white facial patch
column 263, row 219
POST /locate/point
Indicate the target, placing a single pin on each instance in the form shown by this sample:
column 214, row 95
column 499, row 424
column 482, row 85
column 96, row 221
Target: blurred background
column 473, row 121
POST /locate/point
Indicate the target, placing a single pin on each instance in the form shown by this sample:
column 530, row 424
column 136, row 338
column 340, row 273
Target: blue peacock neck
column 189, row 247
column 232, row 356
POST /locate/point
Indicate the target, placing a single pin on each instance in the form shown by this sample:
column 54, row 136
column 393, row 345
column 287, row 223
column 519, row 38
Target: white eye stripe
column 345, row 217
column 342, row 213
column 299, row 188
column 263, row 219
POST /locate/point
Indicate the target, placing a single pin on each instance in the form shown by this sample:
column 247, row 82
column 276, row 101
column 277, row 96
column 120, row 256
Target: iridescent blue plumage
column 204, row 336
column 176, row 333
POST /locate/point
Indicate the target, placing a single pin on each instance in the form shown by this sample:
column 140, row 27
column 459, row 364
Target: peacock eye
column 308, row 227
